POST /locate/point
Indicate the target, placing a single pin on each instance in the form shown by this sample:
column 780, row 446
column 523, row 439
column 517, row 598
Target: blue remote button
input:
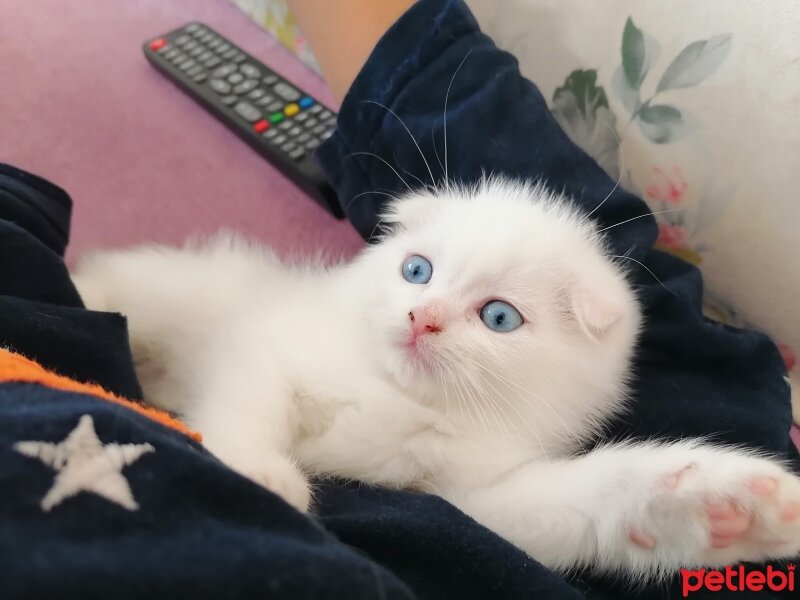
column 305, row 102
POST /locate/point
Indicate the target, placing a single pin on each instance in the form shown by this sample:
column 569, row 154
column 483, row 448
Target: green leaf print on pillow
column 639, row 52
column 581, row 108
column 661, row 123
column 695, row 62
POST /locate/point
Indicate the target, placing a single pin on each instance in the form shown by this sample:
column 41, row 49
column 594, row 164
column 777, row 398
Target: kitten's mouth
column 418, row 350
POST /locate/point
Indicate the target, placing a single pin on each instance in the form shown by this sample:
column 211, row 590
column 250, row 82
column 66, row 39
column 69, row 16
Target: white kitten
column 466, row 355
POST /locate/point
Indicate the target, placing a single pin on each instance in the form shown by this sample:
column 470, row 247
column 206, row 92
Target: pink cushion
column 82, row 107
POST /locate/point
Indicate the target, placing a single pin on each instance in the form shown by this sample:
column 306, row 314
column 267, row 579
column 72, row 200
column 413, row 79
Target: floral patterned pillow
column 694, row 109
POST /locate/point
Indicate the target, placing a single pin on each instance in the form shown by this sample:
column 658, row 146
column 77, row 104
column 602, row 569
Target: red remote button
column 260, row 126
column 158, row 44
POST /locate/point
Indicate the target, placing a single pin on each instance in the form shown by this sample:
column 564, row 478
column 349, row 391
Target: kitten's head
column 499, row 301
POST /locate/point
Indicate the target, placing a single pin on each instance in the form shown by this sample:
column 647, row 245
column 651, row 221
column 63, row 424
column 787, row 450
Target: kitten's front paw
column 717, row 507
column 282, row 477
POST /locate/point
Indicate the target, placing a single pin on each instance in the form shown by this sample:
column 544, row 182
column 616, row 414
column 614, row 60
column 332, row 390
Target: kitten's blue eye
column 500, row 316
column 417, row 269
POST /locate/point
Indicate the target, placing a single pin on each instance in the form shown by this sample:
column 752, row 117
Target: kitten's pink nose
column 425, row 320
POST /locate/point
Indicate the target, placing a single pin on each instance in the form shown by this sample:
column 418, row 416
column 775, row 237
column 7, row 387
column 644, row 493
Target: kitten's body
column 282, row 365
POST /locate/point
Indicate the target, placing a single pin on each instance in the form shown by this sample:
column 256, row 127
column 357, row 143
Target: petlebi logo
column 738, row 579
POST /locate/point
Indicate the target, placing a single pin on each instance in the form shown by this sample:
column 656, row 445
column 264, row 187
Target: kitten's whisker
column 641, row 264
column 517, row 390
column 384, row 162
column 435, row 151
column 357, row 196
column 496, row 409
column 444, row 387
column 510, row 405
column 522, row 394
column 425, row 160
column 650, row 214
column 446, row 98
column 409, row 173
column 451, row 376
column 474, row 409
column 621, row 170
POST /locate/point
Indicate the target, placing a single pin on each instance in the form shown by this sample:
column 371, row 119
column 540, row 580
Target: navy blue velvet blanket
column 97, row 501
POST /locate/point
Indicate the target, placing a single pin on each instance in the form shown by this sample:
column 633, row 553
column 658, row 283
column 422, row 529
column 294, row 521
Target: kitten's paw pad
column 724, row 509
column 283, row 478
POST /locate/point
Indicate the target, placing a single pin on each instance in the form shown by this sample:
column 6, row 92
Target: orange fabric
column 15, row 367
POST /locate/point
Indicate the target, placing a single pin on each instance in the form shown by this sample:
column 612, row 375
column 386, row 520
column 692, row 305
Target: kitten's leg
column 174, row 299
column 193, row 357
column 645, row 510
column 246, row 413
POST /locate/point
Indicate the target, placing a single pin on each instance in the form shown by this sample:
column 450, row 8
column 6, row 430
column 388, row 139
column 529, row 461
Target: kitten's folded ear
column 596, row 306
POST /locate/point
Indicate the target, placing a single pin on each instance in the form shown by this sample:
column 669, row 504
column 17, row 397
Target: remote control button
column 270, row 133
column 178, row 59
column 219, row 86
column 196, row 52
column 275, row 106
column 158, row 44
column 319, row 130
column 311, row 122
column 312, row 144
column 260, row 126
column 214, row 44
column 303, row 138
column 276, row 117
column 171, row 53
column 211, row 62
column 326, row 135
column 297, row 154
column 205, row 56
column 245, row 86
column 325, row 114
column 224, row 70
column 195, row 70
column 294, row 131
column 223, row 47
column 306, row 102
column 256, row 94
column 199, row 32
column 288, row 146
column 206, row 37
column 188, row 64
column 291, row 110
column 229, row 100
column 270, row 79
column 301, row 117
column 285, row 125
column 278, row 139
column 181, row 40
column 239, row 58
column 192, row 27
column 285, row 91
column 250, row 71
column 190, row 45
column 200, row 77
column 248, row 111
column 315, row 109
column 229, row 54
column 235, row 78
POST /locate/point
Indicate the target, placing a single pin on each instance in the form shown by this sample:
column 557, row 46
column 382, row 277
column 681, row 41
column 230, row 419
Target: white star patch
column 84, row 464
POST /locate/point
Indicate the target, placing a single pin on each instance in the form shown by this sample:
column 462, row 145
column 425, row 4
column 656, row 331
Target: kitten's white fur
column 292, row 369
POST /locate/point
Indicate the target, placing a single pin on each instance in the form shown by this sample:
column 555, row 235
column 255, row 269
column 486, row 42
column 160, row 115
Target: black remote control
column 282, row 123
